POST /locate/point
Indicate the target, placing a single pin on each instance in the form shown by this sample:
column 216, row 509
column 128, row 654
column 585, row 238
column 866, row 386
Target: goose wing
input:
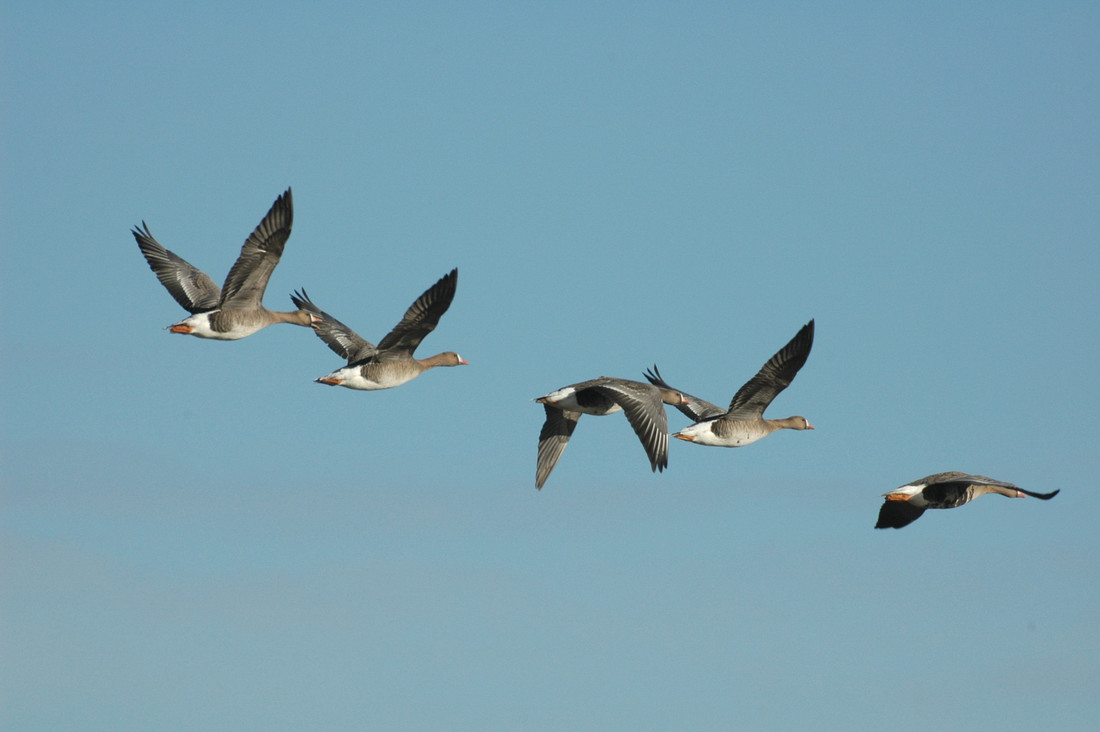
column 646, row 413
column 344, row 341
column 554, row 436
column 985, row 480
column 753, row 398
column 895, row 514
column 247, row 279
column 422, row 316
column 696, row 409
column 188, row 285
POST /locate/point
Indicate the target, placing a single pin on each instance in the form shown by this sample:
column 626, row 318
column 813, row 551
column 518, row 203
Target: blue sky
column 196, row 535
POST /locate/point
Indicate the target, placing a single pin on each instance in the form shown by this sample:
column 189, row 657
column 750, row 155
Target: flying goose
column 744, row 421
column 235, row 310
column 391, row 362
column 642, row 404
column 904, row 505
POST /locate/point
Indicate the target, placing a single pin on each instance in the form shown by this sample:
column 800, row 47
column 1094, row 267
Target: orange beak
column 181, row 329
column 687, row 438
column 330, row 381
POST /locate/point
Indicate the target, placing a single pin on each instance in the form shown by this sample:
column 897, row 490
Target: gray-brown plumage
column 234, row 310
column 642, row 404
column 905, row 505
column 744, row 421
column 391, row 362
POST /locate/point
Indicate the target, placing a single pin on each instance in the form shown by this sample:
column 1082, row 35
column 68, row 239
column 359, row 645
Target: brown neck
column 1003, row 490
column 297, row 317
column 439, row 359
column 790, row 423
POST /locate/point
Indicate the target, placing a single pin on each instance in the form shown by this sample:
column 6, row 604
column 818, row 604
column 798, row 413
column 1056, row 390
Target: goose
column 744, row 423
column 904, row 505
column 235, row 310
column 642, row 404
column 391, row 362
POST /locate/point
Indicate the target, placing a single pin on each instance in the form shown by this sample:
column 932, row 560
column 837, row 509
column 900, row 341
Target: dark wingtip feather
column 896, row 514
column 301, row 300
column 807, row 331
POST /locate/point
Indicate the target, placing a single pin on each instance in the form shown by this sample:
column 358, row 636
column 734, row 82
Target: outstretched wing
column 895, row 514
column 695, row 409
column 247, row 279
column 554, row 436
column 646, row 413
column 344, row 341
column 422, row 316
column 753, row 398
column 190, row 286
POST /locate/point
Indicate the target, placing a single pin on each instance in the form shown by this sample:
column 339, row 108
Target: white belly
column 352, row 377
column 735, row 435
column 200, row 328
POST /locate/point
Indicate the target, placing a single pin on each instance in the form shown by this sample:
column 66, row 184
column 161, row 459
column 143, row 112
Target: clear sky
column 194, row 535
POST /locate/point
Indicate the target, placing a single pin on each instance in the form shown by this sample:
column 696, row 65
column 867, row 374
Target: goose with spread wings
column 902, row 506
column 391, row 362
column 642, row 404
column 235, row 309
column 744, row 422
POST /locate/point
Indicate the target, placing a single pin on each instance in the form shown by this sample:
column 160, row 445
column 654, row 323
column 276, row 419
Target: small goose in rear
column 905, row 505
column 234, row 310
column 744, row 423
column 642, row 404
column 391, row 362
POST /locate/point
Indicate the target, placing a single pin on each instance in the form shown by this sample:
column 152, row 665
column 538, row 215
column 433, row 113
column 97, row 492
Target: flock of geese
column 235, row 310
